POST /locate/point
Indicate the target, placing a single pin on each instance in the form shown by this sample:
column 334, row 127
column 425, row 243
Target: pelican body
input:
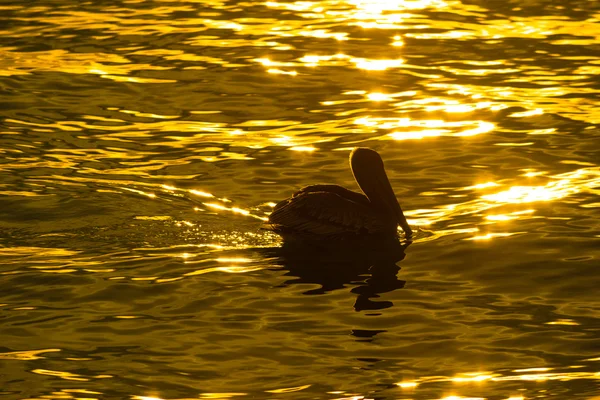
column 332, row 213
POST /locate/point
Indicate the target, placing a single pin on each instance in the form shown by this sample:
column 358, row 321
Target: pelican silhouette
column 330, row 213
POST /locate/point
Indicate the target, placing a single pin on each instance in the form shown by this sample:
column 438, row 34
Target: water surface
column 143, row 143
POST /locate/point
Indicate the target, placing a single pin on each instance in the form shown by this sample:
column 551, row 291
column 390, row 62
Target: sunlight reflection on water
column 142, row 145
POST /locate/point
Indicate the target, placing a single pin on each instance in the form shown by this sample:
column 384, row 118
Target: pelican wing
column 327, row 214
column 339, row 190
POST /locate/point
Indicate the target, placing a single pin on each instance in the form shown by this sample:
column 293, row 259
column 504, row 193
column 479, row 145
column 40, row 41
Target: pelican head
column 369, row 173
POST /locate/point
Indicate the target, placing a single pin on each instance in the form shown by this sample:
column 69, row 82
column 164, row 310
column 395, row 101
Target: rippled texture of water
column 143, row 142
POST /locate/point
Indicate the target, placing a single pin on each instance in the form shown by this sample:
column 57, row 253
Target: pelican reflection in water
column 334, row 214
column 369, row 273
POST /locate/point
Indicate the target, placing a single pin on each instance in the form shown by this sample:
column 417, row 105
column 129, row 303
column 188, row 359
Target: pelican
column 330, row 213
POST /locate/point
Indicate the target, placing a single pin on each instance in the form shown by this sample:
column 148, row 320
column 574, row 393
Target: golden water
column 142, row 144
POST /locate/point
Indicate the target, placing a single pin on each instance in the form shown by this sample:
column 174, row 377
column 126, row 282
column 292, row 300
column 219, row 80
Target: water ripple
column 142, row 145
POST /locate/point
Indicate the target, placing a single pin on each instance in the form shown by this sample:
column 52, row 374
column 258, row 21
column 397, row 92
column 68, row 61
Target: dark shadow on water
column 371, row 270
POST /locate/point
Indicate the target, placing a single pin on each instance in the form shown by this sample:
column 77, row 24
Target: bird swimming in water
column 332, row 213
